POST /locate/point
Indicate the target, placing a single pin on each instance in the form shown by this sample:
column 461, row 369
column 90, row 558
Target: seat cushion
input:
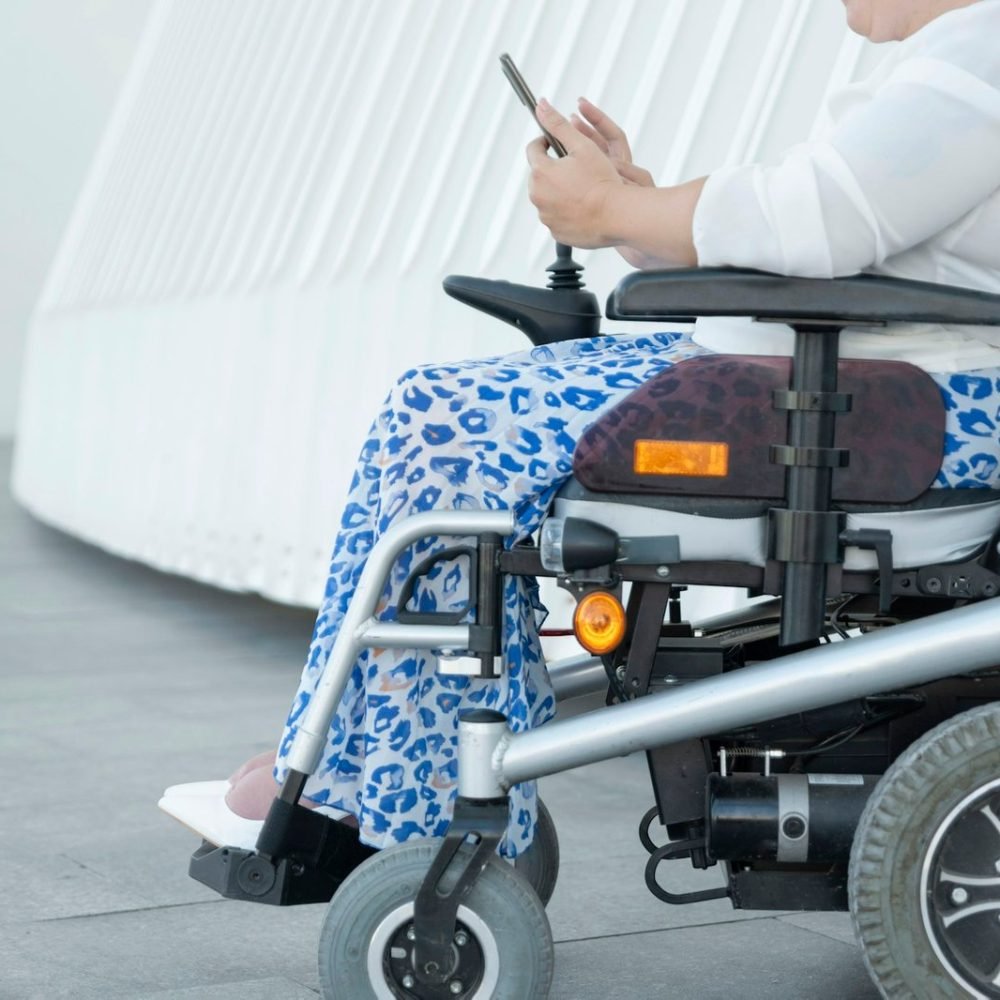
column 728, row 401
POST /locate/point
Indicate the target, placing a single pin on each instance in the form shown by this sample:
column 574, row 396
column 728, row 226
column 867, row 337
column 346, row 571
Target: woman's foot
column 252, row 788
column 265, row 759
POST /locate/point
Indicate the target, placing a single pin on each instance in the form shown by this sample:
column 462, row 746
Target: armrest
column 862, row 300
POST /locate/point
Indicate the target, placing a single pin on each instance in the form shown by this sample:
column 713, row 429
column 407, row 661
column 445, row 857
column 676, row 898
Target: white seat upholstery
column 920, row 537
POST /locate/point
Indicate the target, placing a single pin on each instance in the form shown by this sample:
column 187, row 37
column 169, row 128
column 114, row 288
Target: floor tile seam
column 813, row 930
column 680, row 927
column 103, row 876
column 231, row 982
column 125, row 912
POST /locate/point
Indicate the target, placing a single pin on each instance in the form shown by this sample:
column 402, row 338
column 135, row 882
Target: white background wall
column 259, row 245
column 62, row 63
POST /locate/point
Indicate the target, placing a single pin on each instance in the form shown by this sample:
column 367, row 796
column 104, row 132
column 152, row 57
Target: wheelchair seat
column 731, row 407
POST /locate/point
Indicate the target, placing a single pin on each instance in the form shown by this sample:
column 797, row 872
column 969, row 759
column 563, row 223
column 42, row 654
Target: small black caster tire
column 501, row 920
column 925, row 866
column 539, row 865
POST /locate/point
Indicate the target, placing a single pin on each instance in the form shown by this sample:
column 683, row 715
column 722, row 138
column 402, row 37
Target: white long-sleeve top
column 903, row 180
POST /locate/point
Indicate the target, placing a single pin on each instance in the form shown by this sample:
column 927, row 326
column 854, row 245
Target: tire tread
column 904, row 785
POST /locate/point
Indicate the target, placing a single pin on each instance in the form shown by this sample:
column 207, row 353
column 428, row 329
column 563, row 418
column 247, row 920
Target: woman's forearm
column 657, row 222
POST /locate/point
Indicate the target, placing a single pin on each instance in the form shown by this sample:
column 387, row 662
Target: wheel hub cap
column 464, row 975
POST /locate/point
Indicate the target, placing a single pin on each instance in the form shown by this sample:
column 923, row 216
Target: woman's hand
column 611, row 140
column 573, row 194
column 610, row 137
column 588, row 199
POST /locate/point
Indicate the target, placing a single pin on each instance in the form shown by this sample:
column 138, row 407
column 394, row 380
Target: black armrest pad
column 861, row 300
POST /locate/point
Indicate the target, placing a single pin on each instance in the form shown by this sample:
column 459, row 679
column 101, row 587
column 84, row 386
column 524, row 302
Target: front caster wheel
column 539, row 864
column 502, row 949
column 925, row 867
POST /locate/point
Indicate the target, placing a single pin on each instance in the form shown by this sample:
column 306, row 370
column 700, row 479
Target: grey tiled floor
column 116, row 681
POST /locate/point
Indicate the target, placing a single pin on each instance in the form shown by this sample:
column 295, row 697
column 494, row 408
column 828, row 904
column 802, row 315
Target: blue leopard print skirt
column 497, row 433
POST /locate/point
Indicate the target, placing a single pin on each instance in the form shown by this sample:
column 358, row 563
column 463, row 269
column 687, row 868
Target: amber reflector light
column 681, row 458
column 599, row 622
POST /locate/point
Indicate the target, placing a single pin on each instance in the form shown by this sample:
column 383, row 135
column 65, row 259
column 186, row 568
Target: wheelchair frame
column 490, row 761
column 809, row 537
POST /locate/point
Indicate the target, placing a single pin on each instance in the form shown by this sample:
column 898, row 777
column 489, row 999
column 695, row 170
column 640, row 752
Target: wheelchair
column 834, row 745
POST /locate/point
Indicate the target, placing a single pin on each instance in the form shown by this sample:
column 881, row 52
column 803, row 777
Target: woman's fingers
column 584, row 129
column 608, row 129
column 634, row 175
column 537, row 151
column 601, row 121
column 556, row 125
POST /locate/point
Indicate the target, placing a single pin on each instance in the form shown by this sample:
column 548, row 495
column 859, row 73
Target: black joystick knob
column 564, row 271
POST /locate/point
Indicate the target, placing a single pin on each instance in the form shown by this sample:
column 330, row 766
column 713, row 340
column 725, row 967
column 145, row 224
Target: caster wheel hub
column 461, row 980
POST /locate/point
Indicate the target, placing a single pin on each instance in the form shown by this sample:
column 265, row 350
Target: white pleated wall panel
column 259, row 245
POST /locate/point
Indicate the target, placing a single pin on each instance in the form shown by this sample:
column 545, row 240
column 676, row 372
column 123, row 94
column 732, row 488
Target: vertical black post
column 809, row 486
column 489, row 600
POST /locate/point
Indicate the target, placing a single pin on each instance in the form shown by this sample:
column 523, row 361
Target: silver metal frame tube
column 359, row 628
column 942, row 645
column 395, row 635
column 478, row 737
column 577, row 675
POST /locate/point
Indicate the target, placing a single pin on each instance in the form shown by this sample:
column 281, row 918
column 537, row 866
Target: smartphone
column 526, row 97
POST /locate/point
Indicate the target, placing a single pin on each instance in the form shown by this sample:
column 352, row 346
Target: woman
column 905, row 181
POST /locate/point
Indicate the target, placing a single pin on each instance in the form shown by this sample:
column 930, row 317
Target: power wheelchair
column 835, row 745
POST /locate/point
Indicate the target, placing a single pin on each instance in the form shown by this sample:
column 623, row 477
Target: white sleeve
column 922, row 154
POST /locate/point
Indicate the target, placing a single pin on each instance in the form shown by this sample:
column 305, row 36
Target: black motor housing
column 794, row 818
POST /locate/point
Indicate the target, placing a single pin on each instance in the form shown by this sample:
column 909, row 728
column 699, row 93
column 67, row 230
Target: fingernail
column 543, row 103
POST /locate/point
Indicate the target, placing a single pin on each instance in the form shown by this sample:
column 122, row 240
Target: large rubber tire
column 539, row 865
column 501, row 911
column 899, row 900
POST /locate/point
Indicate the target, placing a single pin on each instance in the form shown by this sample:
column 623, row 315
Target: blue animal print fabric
column 497, row 433
column 971, row 449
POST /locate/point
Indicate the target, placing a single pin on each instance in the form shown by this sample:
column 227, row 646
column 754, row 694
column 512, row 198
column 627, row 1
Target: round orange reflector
column 599, row 622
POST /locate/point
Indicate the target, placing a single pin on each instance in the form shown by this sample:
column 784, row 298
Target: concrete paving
column 116, row 681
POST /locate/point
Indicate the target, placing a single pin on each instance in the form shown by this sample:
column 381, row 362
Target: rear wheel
column 925, row 867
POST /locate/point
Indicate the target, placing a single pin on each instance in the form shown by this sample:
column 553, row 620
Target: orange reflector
column 599, row 622
column 681, row 458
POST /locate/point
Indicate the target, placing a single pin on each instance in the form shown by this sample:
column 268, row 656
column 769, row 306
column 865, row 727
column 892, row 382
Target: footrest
column 323, row 853
column 240, row 874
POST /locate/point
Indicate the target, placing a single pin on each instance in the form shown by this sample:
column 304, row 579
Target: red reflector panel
column 681, row 458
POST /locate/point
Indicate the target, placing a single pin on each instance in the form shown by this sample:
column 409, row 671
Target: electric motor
column 793, row 818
